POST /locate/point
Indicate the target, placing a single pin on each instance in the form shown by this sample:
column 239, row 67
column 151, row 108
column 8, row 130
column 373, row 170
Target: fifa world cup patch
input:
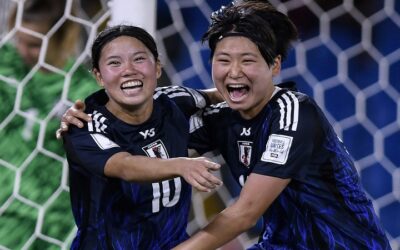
column 277, row 149
column 103, row 142
column 156, row 149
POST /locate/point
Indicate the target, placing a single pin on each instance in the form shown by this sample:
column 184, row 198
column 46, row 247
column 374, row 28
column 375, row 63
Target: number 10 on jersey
column 164, row 198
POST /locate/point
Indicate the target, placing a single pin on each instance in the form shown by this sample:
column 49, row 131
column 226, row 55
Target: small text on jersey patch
column 277, row 149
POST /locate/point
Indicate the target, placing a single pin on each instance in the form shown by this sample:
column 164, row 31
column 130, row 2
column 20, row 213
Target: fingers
column 79, row 105
column 205, row 185
column 197, row 172
column 59, row 134
column 76, row 111
column 67, row 120
column 208, row 180
column 63, row 128
column 203, row 180
column 210, row 165
column 75, row 116
column 200, row 187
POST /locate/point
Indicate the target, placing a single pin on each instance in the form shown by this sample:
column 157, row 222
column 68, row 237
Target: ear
column 158, row 69
column 98, row 77
column 276, row 67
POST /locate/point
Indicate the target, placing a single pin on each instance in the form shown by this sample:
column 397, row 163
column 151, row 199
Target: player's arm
column 96, row 154
column 213, row 95
column 135, row 168
column 75, row 115
column 240, row 216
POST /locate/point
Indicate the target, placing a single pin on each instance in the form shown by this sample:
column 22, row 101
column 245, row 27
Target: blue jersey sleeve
column 199, row 135
column 295, row 133
column 88, row 152
column 188, row 100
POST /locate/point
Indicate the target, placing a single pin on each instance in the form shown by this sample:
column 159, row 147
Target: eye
column 140, row 59
column 113, row 63
column 248, row 60
column 222, row 60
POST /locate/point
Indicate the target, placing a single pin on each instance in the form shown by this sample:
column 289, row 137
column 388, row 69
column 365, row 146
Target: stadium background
column 348, row 59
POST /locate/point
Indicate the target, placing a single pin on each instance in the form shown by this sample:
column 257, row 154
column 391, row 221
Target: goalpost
column 139, row 13
column 345, row 59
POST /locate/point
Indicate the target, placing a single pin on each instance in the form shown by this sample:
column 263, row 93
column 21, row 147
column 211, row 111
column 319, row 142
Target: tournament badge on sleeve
column 245, row 152
column 277, row 149
column 156, row 150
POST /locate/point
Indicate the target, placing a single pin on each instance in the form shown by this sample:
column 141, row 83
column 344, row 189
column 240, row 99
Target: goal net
column 348, row 59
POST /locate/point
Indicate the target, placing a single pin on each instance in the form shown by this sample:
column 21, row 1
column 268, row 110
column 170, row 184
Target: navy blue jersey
column 324, row 206
column 114, row 214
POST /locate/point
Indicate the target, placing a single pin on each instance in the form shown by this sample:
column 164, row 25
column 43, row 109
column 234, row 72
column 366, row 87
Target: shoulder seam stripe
column 167, row 90
column 98, row 123
column 289, row 109
column 215, row 108
column 282, row 113
column 195, row 122
column 296, row 110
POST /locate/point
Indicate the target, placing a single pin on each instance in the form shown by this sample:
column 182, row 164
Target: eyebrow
column 222, row 53
column 118, row 56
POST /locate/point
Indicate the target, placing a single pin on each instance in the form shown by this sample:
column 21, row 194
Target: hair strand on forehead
column 271, row 30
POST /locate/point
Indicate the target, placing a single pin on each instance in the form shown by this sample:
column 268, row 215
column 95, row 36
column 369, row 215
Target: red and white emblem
column 245, row 150
column 156, row 150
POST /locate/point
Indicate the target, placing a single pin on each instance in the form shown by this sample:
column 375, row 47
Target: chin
column 235, row 106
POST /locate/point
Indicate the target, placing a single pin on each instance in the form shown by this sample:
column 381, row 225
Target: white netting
column 348, row 59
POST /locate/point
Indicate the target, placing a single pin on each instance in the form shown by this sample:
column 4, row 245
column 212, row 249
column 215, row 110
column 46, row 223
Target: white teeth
column 236, row 85
column 131, row 84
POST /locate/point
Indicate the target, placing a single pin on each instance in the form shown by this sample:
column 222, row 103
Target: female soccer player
column 295, row 172
column 126, row 192
column 293, row 169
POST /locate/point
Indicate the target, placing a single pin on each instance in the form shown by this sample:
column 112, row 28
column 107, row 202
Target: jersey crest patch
column 245, row 152
column 103, row 142
column 156, row 150
column 277, row 149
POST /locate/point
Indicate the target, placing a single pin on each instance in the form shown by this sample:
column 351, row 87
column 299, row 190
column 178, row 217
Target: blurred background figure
column 41, row 16
column 37, row 65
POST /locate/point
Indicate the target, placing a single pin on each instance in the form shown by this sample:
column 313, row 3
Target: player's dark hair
column 113, row 32
column 259, row 21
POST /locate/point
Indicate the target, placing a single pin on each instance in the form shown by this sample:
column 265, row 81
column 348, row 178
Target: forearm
column 241, row 215
column 136, row 168
column 213, row 95
column 226, row 226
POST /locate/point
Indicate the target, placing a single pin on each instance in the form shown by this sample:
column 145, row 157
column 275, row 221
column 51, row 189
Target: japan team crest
column 245, row 152
column 156, row 150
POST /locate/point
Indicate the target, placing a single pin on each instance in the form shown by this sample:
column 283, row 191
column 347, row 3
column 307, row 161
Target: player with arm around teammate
column 126, row 164
column 293, row 169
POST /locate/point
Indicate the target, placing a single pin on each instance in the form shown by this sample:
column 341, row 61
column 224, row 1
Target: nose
column 129, row 70
column 235, row 70
column 22, row 49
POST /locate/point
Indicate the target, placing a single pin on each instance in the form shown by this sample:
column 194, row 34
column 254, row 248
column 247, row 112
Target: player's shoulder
column 290, row 107
column 101, row 123
column 181, row 94
column 169, row 91
column 290, row 98
column 218, row 109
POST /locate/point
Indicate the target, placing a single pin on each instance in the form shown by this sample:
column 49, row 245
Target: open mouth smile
column 131, row 87
column 237, row 92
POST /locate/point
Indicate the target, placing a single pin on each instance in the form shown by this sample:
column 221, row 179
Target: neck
column 257, row 108
column 132, row 115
